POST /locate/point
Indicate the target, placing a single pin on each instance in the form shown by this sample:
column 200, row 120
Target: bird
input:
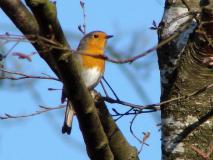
column 92, row 68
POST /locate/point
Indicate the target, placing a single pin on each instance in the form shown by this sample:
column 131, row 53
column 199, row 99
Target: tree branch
column 43, row 110
column 25, row 76
column 118, row 144
column 67, row 70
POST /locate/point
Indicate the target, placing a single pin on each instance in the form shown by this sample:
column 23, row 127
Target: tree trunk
column 187, row 123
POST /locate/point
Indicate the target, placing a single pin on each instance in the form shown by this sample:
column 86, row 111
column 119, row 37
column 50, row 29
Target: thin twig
column 137, row 108
column 10, row 50
column 110, row 88
column 131, row 113
column 136, row 111
column 146, row 136
column 141, row 107
column 56, row 45
column 102, row 85
column 109, row 99
column 43, row 110
column 134, row 58
column 154, row 106
column 25, row 76
column 131, row 130
column 121, row 115
column 84, row 16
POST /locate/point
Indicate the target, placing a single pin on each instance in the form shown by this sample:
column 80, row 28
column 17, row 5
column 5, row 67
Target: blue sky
column 40, row 137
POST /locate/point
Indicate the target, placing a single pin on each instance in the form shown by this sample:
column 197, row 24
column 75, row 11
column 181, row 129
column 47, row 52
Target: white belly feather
column 91, row 77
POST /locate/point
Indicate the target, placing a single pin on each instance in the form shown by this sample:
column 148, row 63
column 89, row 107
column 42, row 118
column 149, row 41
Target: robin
column 92, row 68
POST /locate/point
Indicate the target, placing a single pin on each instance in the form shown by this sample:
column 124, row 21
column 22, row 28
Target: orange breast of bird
column 91, row 62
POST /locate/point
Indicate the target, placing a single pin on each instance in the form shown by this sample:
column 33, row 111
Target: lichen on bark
column 187, row 122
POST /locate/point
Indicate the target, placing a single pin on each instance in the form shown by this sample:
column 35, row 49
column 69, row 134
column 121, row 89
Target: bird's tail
column 69, row 114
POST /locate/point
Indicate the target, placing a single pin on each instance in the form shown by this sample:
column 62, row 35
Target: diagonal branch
column 120, row 147
column 67, row 69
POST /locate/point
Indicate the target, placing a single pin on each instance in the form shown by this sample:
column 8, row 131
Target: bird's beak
column 109, row 36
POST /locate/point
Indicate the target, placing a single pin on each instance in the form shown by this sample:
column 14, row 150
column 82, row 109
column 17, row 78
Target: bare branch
column 146, row 136
column 154, row 106
column 105, row 91
column 110, row 88
column 131, row 130
column 83, row 31
column 151, row 107
column 10, row 50
column 137, row 109
column 121, row 115
column 55, row 45
column 42, row 110
column 25, row 76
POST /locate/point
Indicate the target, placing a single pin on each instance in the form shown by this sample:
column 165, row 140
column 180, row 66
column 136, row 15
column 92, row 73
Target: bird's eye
column 95, row 36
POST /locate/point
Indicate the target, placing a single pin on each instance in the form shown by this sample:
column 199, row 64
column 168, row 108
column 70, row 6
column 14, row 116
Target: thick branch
column 67, row 69
column 118, row 144
column 26, row 23
column 22, row 18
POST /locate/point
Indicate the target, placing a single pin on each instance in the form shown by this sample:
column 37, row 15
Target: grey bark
column 186, row 123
